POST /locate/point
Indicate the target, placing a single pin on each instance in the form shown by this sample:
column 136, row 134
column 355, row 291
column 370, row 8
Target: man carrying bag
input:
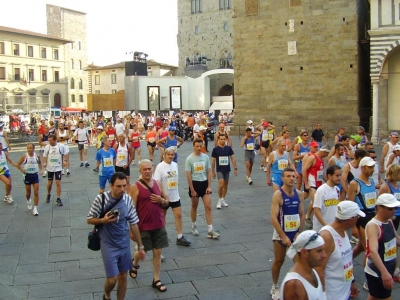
column 119, row 212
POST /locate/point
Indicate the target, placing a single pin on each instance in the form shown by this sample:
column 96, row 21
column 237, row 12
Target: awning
column 221, row 105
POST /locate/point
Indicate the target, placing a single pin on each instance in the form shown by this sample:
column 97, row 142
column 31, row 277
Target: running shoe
column 212, row 235
column 262, row 167
column 29, row 204
column 59, row 202
column 265, row 168
column 81, row 165
column 87, row 164
column 62, row 172
column 68, row 173
column 275, row 293
column 194, row 230
column 44, row 174
column 223, row 203
column 183, row 241
column 48, row 198
column 219, row 204
column 96, row 170
column 250, row 181
column 35, row 212
column 9, row 199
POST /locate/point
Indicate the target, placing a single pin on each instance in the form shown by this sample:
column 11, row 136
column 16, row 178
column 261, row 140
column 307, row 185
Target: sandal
column 158, row 285
column 133, row 271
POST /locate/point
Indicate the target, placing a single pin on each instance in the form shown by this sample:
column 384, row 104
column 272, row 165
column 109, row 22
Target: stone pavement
column 46, row 257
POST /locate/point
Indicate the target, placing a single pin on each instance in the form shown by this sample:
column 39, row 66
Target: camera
column 114, row 213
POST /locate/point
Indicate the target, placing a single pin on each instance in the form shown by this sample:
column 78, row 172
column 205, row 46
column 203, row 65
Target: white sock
column 35, row 207
column 179, row 236
column 209, row 228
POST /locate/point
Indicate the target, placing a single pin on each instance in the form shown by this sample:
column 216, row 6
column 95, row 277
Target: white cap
column 250, row 121
column 396, row 147
column 325, row 148
column 202, row 128
column 100, row 127
column 367, row 161
column 387, row 200
column 348, row 209
column 150, row 124
column 308, row 239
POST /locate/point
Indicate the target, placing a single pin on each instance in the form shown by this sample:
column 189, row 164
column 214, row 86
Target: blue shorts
column 7, row 174
column 277, row 179
column 30, row 179
column 115, row 260
column 299, row 167
column 103, row 180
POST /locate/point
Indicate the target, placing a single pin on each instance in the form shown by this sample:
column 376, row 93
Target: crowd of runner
column 353, row 199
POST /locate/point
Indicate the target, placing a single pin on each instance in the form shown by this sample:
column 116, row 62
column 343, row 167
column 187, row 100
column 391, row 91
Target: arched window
column 72, row 83
column 80, row 84
column 80, row 98
column 226, row 60
column 72, row 63
column 72, row 98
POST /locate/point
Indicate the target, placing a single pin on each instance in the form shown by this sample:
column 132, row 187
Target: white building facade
column 385, row 66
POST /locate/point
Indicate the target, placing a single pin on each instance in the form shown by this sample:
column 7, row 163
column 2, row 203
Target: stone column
column 375, row 112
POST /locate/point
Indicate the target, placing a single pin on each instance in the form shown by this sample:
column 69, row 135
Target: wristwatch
column 141, row 248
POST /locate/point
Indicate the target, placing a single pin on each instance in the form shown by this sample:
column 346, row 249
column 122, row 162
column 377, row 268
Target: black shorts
column 154, row 239
column 126, row 171
column 376, row 288
column 265, row 144
column 174, row 204
column 81, row 146
column 50, row 175
column 151, row 144
column 200, row 187
column 305, row 190
column 362, row 221
column 30, row 179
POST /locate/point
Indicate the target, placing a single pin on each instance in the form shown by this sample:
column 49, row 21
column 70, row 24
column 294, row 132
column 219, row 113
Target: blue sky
column 113, row 27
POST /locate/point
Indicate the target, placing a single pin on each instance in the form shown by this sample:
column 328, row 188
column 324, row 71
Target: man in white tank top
column 388, row 149
column 336, row 270
column 302, row 281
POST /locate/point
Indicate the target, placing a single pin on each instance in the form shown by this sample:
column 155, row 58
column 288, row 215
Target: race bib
column 2, row 164
column 320, row 175
column 282, row 164
column 31, row 168
column 348, row 272
column 54, row 160
column 397, row 195
column 151, row 140
column 223, row 160
column 250, row 146
column 370, row 199
column 199, row 167
column 135, row 138
column 265, row 136
column 111, row 136
column 172, row 183
column 175, row 148
column 121, row 156
column 292, row 223
column 390, row 250
column 108, row 162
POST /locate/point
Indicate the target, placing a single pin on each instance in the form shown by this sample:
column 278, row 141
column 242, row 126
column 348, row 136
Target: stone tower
column 205, row 28
column 301, row 62
column 70, row 24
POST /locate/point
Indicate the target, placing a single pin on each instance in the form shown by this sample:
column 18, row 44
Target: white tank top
column 54, row 158
column 122, row 156
column 354, row 171
column 3, row 163
column 313, row 293
column 64, row 134
column 3, row 140
column 390, row 151
column 339, row 269
column 31, row 165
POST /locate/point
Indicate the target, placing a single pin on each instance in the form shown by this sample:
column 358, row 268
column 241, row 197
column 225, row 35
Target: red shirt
column 317, row 170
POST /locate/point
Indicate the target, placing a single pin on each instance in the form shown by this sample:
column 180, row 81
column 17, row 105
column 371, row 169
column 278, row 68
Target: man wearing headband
column 382, row 243
column 287, row 217
column 302, row 281
column 388, row 149
column 336, row 270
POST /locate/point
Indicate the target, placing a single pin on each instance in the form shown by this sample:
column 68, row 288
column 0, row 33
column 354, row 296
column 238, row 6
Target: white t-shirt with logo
column 167, row 175
column 326, row 199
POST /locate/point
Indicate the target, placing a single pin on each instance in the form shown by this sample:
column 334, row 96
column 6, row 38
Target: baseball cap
column 250, row 122
column 308, row 239
column 387, row 200
column 202, row 128
column 325, row 148
column 314, row 144
column 172, row 128
column 265, row 124
column 100, row 127
column 394, row 133
column 396, row 147
column 348, row 209
column 150, row 125
column 367, row 161
column 357, row 138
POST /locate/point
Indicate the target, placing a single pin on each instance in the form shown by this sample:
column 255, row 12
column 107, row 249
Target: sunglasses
column 312, row 239
column 388, row 208
column 304, row 134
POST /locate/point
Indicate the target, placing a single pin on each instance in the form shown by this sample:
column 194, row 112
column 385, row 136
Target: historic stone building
column 205, row 41
column 71, row 25
column 385, row 66
column 302, row 62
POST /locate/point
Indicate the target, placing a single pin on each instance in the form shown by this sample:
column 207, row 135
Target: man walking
column 248, row 143
column 198, row 174
column 287, row 217
column 220, row 162
column 53, row 164
column 82, row 138
column 124, row 154
column 105, row 162
column 114, row 234
column 318, row 135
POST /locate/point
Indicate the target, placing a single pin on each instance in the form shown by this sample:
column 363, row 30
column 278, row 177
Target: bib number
column 223, row 160
column 390, row 250
column 108, row 162
column 320, row 175
column 348, row 273
column 151, row 140
column 292, row 223
column 172, row 183
column 370, row 199
column 282, row 164
column 250, row 146
column 199, row 167
column 111, row 137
